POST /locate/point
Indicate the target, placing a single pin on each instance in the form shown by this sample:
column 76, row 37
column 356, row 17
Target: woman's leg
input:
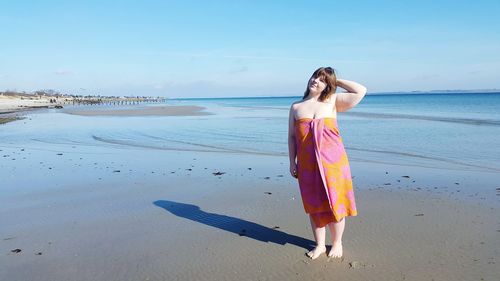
column 336, row 231
column 319, row 236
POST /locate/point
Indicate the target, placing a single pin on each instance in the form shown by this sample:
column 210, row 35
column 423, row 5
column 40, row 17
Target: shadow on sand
column 235, row 225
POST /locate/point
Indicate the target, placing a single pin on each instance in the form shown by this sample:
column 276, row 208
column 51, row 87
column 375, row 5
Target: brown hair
column 327, row 75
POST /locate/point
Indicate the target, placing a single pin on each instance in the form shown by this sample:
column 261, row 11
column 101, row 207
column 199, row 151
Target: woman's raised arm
column 355, row 93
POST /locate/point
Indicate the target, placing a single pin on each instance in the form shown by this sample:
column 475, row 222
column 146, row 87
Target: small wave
column 62, row 142
column 258, row 107
column 67, row 143
column 468, row 121
column 255, row 137
column 196, row 147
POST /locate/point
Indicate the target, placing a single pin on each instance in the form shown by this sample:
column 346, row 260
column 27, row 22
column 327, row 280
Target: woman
column 318, row 158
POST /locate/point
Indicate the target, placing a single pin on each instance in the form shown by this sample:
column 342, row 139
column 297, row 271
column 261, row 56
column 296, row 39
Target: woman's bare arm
column 292, row 151
column 292, row 147
column 355, row 93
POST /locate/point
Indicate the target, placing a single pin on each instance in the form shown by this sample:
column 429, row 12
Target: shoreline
column 6, row 119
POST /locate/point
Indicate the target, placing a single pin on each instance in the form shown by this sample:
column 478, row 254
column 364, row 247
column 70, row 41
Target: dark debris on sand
column 356, row 265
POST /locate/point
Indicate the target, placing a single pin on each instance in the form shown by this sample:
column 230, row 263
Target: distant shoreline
column 13, row 104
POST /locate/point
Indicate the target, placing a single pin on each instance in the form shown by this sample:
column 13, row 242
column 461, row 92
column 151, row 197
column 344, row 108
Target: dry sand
column 180, row 221
column 12, row 104
column 14, row 108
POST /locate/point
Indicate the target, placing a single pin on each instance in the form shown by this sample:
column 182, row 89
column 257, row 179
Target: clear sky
column 246, row 48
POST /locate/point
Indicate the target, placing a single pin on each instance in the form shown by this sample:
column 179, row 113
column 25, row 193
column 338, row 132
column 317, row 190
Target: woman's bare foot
column 316, row 252
column 335, row 251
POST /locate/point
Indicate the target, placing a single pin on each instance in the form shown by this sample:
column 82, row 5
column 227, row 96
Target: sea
column 446, row 131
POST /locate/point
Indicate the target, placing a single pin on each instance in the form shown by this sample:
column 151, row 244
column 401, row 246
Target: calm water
column 449, row 131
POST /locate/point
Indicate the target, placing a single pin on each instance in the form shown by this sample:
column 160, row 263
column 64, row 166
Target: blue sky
column 246, row 48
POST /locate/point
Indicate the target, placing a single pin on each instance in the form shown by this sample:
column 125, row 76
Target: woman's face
column 316, row 84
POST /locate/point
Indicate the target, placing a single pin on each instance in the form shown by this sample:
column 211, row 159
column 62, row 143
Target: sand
column 214, row 216
column 140, row 111
column 13, row 108
column 6, row 119
column 13, row 104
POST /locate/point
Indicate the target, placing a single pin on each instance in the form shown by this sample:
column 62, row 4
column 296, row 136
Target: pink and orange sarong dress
column 324, row 173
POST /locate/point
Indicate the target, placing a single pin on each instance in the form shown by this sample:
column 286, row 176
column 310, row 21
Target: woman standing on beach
column 318, row 158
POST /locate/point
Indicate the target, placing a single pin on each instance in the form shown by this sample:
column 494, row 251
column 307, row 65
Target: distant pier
column 108, row 100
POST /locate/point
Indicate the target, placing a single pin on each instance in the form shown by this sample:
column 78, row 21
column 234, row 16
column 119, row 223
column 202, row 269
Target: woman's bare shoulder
column 296, row 104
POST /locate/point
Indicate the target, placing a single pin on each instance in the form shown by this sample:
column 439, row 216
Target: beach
column 143, row 111
column 16, row 103
column 205, row 194
column 13, row 107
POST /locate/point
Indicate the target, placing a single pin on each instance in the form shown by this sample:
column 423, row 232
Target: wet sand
column 140, row 111
column 7, row 119
column 112, row 215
